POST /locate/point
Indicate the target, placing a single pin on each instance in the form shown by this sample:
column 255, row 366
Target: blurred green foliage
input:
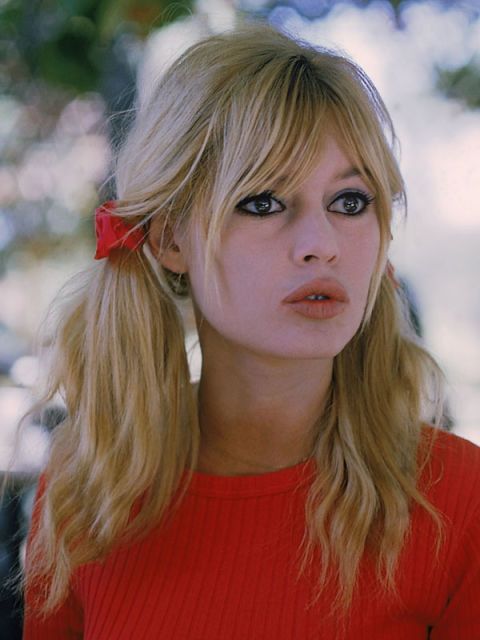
column 64, row 67
column 462, row 84
column 67, row 43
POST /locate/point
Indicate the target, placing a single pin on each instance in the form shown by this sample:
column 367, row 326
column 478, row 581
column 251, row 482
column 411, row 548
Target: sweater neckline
column 280, row 481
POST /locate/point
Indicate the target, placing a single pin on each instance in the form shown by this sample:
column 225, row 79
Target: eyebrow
column 351, row 172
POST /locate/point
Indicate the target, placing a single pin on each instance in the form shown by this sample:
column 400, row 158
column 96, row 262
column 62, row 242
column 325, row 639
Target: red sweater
column 225, row 568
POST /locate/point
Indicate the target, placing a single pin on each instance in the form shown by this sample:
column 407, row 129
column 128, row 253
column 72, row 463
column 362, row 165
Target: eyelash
column 364, row 197
column 265, row 195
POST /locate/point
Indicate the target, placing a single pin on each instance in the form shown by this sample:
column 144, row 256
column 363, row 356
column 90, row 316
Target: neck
column 257, row 417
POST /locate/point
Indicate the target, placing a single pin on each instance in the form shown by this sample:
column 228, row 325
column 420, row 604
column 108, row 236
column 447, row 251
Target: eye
column 351, row 203
column 261, row 204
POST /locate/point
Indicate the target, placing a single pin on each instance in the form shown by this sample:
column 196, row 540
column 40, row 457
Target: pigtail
column 117, row 460
column 384, row 383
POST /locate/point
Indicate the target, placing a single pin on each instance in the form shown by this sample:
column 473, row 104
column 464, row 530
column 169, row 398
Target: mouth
column 319, row 290
column 319, row 299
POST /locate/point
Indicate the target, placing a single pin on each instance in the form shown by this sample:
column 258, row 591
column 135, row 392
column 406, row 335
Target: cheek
column 225, row 290
column 374, row 271
column 361, row 255
column 246, row 266
column 369, row 240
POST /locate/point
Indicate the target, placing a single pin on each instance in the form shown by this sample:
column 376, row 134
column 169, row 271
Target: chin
column 299, row 351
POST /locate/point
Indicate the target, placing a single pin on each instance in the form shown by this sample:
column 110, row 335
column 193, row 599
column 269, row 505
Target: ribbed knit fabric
column 225, row 568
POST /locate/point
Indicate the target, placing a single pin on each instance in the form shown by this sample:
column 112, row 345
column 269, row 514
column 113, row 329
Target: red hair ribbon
column 113, row 232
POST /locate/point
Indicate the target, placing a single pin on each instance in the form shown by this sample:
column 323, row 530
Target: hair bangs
column 269, row 138
column 363, row 127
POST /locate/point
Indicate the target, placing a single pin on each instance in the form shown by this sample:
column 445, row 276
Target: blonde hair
column 236, row 113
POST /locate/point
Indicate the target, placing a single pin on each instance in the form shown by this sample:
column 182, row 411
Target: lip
column 335, row 302
column 328, row 287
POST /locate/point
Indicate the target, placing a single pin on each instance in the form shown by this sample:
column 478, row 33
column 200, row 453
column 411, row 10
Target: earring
column 178, row 282
column 390, row 273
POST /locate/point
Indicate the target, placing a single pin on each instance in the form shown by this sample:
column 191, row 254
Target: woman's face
column 293, row 275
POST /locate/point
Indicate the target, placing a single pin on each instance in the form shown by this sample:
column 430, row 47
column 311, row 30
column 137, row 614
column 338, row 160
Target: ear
column 167, row 248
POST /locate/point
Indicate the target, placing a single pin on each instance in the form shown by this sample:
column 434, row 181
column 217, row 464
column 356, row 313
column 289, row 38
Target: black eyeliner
column 254, row 196
column 368, row 197
column 363, row 196
column 257, row 196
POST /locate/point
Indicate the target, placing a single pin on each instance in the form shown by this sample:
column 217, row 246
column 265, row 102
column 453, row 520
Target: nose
column 315, row 238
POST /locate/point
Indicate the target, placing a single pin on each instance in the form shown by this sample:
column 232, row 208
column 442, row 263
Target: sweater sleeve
column 66, row 622
column 461, row 615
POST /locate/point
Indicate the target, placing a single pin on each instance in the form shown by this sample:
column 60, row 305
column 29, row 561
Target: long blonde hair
column 234, row 114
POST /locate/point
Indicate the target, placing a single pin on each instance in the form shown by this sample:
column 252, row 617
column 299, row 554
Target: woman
column 295, row 492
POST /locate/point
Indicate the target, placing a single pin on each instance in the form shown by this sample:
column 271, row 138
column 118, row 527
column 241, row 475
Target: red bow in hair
column 113, row 232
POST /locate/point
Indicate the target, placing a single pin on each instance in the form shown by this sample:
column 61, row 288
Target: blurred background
column 70, row 72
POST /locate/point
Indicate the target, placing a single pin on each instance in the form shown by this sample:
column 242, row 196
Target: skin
column 267, row 369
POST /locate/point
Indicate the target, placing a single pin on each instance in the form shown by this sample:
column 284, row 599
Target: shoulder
column 453, row 487
column 451, row 477
column 452, row 452
column 450, row 442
